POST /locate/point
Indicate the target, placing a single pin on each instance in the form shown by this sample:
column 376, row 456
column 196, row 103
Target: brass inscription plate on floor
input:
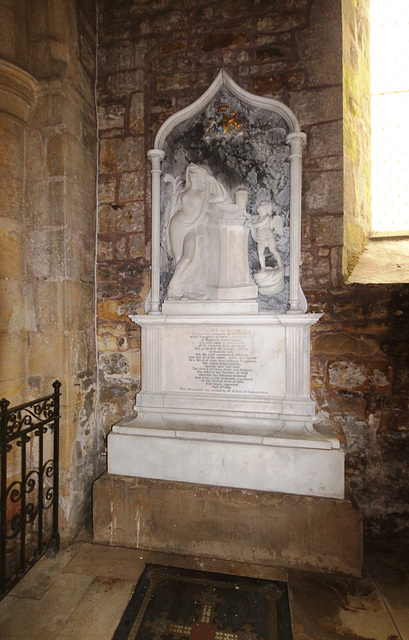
column 177, row 604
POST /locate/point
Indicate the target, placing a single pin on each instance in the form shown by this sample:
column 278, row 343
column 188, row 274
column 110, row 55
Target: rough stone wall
column 15, row 319
column 154, row 59
column 359, row 379
column 49, row 204
column 357, row 134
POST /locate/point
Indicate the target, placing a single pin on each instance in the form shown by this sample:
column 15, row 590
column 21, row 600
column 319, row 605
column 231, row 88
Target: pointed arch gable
column 223, row 78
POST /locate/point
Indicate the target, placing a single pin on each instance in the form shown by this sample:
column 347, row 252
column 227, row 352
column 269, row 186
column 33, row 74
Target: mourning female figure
column 184, row 230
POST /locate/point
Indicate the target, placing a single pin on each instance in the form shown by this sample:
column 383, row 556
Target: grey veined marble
column 251, row 154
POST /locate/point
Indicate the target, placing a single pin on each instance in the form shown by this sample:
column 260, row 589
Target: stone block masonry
column 271, row 529
column 359, row 370
column 357, row 130
column 155, row 61
column 48, row 171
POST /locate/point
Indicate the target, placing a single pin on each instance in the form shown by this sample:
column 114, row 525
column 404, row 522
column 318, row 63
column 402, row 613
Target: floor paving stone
column 389, row 568
column 83, row 591
column 40, row 578
column 219, row 566
column 329, row 607
column 111, row 562
column 99, row 611
column 44, row 618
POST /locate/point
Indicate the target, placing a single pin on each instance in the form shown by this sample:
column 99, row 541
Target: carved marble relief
column 225, row 397
column 241, row 148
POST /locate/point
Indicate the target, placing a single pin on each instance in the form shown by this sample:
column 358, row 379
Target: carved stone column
column 17, row 96
column 296, row 141
column 17, row 90
column 156, row 157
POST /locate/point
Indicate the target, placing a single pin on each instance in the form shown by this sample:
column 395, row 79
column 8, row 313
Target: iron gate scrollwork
column 29, row 467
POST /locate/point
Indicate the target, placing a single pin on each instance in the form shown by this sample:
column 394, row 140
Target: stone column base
column 272, row 529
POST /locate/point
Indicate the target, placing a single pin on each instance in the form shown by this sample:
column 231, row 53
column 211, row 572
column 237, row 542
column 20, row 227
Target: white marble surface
column 229, row 460
column 221, row 359
column 232, row 372
column 209, row 307
column 225, row 397
column 227, row 403
column 213, row 193
column 204, row 237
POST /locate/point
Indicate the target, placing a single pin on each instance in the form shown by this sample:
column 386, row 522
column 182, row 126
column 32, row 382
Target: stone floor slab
column 99, row 611
column 108, row 562
column 329, row 607
column 31, row 618
column 24, row 637
column 389, row 568
column 86, row 591
column 218, row 566
column 40, row 578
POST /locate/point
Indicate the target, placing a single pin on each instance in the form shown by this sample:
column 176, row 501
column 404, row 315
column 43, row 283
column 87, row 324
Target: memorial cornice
column 306, row 319
column 18, row 90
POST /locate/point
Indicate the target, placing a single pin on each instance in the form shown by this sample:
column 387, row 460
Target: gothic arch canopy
column 224, row 79
column 264, row 158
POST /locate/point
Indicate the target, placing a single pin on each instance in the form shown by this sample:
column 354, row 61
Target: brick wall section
column 156, row 58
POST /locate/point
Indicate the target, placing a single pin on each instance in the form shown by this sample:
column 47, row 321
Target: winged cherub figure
column 263, row 228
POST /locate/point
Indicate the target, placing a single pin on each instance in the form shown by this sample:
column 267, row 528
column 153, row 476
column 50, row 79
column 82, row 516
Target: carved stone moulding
column 18, row 90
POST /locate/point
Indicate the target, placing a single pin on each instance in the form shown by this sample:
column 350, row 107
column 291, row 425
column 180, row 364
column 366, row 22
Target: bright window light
column 390, row 115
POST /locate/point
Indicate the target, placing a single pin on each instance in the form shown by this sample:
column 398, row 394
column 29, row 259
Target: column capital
column 296, row 141
column 156, row 156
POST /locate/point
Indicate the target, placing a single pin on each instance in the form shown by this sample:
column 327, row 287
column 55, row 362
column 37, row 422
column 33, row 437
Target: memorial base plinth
column 257, row 461
column 232, row 524
column 225, row 400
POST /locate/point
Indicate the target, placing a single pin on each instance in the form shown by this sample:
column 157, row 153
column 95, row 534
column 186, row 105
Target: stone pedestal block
column 258, row 527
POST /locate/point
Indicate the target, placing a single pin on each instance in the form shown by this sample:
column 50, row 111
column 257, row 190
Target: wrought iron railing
column 29, row 453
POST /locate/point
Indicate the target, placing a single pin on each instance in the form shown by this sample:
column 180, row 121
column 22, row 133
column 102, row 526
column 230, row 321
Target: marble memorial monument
column 225, row 397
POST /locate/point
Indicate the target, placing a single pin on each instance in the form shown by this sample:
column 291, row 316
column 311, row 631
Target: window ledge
column 383, row 261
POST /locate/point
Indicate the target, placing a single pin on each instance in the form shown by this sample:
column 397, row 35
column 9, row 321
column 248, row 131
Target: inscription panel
column 220, row 359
